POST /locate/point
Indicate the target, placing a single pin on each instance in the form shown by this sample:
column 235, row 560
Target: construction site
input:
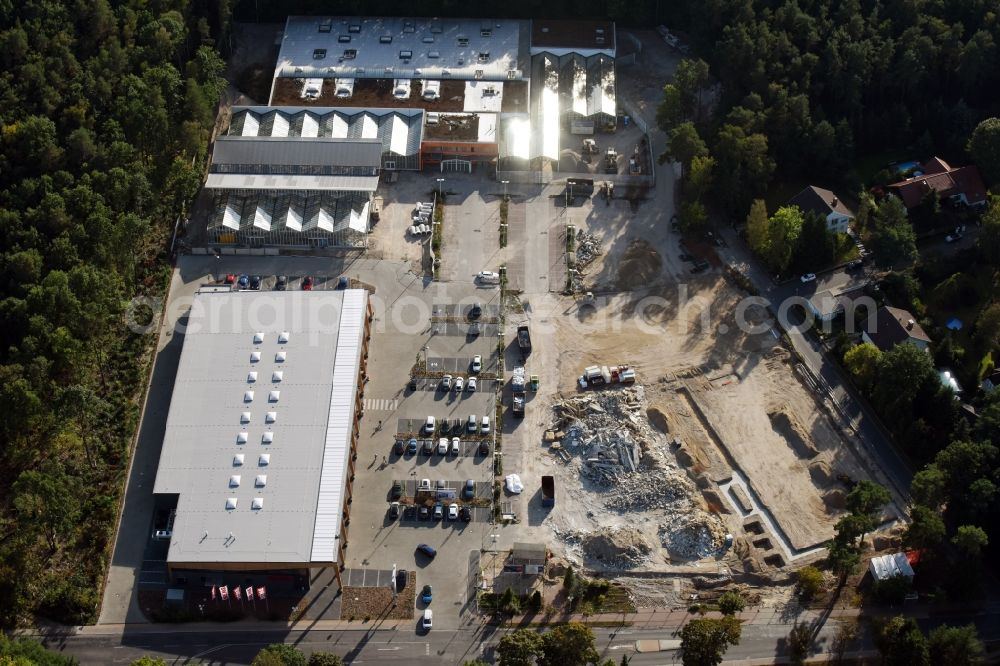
column 721, row 463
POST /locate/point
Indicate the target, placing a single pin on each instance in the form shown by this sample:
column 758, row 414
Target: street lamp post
column 505, row 183
column 440, row 182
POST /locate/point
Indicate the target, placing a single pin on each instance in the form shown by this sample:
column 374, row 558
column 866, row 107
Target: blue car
column 427, row 550
column 411, row 447
column 243, row 282
column 426, row 595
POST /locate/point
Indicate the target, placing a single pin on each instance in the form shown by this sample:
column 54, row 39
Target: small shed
column 885, row 567
column 529, row 555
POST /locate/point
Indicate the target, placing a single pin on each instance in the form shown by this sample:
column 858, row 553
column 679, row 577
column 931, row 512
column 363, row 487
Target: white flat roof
column 302, row 412
column 318, row 46
column 483, row 96
column 240, row 181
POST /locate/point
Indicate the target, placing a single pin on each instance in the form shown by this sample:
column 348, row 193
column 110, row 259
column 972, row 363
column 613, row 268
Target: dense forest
column 105, row 114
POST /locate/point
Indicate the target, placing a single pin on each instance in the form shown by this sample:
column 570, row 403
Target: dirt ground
column 727, row 414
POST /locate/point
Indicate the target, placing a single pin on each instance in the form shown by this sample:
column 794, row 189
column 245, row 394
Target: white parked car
column 513, row 484
column 456, row 446
column 808, row 277
column 446, row 383
column 429, row 425
column 453, row 511
column 428, row 620
column 443, row 446
column 488, row 277
column 471, row 385
column 477, row 363
column 486, row 425
column 459, row 383
column 414, row 230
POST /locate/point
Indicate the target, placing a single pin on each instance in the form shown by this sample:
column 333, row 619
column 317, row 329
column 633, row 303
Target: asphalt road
column 379, row 646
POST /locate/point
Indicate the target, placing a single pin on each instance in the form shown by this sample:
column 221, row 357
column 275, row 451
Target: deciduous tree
column 704, row 641
column 955, row 646
column 570, row 644
column 984, row 146
column 901, row 643
column 519, row 648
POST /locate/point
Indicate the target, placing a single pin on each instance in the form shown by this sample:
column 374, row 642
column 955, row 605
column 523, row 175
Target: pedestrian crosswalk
column 381, row 404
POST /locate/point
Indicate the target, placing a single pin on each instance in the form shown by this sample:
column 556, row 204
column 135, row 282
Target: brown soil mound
column 625, row 547
column 791, row 431
column 640, row 266
column 835, row 499
column 658, row 419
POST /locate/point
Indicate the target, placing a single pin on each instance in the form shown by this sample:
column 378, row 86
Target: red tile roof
column 946, row 180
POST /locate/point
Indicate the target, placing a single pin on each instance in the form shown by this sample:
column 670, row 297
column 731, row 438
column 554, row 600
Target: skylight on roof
column 283, row 337
column 267, row 437
column 251, row 377
column 258, row 338
column 254, row 357
column 277, row 375
column 279, row 357
column 238, row 460
column 257, row 504
column 248, row 396
column 264, row 460
column 260, row 481
column 271, row 417
column 245, row 417
column 273, row 396
column 234, row 481
column 232, row 502
column 241, row 438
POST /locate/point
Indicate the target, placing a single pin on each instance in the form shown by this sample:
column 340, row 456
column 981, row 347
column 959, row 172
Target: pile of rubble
column 620, row 548
column 628, row 462
column 588, row 248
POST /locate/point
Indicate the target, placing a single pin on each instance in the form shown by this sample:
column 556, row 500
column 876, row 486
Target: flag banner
column 213, row 593
column 224, row 592
column 237, row 593
column 261, row 593
column 249, row 593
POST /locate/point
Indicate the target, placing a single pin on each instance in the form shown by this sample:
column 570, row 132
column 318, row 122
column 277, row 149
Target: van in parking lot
column 429, row 425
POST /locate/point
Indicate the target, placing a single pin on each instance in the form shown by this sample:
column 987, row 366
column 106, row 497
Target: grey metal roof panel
column 239, row 181
column 313, row 151
column 201, row 436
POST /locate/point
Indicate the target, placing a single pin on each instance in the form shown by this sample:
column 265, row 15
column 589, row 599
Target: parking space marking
column 381, row 404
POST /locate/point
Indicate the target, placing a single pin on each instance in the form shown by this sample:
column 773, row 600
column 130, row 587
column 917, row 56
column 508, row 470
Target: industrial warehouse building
column 258, row 450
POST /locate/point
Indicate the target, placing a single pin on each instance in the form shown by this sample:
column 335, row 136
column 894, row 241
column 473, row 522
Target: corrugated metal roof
column 200, row 443
column 890, row 566
column 337, row 446
column 294, row 151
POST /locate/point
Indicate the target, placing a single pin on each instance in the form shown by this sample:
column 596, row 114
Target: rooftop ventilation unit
column 319, row 54
column 234, row 481
column 267, row 437
column 245, row 417
column 264, row 460
column 257, row 505
column 241, row 438
column 237, row 460
column 463, row 41
column 258, row 338
column 279, row 357
column 283, row 337
column 277, row 375
column 385, row 39
column 326, row 25
column 343, row 39
column 273, row 396
column 248, row 396
column 251, row 377
column 271, row 417
column 231, row 503
column 479, row 73
column 254, row 357
column 409, row 26
column 428, row 39
column 260, row 481
column 354, row 28
column 433, row 54
column 485, row 32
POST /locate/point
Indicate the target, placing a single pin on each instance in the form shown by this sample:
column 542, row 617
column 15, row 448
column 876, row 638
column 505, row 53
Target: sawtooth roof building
column 262, row 429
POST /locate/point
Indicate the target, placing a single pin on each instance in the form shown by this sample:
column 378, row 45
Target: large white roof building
column 259, row 436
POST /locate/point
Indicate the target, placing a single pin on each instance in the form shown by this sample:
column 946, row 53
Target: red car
column 231, row 278
column 307, row 283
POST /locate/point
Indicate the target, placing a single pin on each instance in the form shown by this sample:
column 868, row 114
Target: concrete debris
column 588, row 248
column 627, row 461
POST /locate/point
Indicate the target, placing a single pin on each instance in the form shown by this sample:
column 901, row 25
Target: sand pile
column 622, row 548
column 696, row 537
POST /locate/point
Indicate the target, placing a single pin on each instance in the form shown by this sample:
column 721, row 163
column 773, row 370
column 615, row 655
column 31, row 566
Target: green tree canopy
column 862, row 362
column 955, row 646
column 279, row 654
column 570, row 644
column 984, row 146
column 971, row 540
column 704, row 641
column 519, row 648
column 901, row 643
column 325, row 659
column 683, row 145
column 783, row 231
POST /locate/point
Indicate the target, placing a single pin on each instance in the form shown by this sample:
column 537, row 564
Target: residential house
column 960, row 186
column 893, row 326
column 826, row 204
